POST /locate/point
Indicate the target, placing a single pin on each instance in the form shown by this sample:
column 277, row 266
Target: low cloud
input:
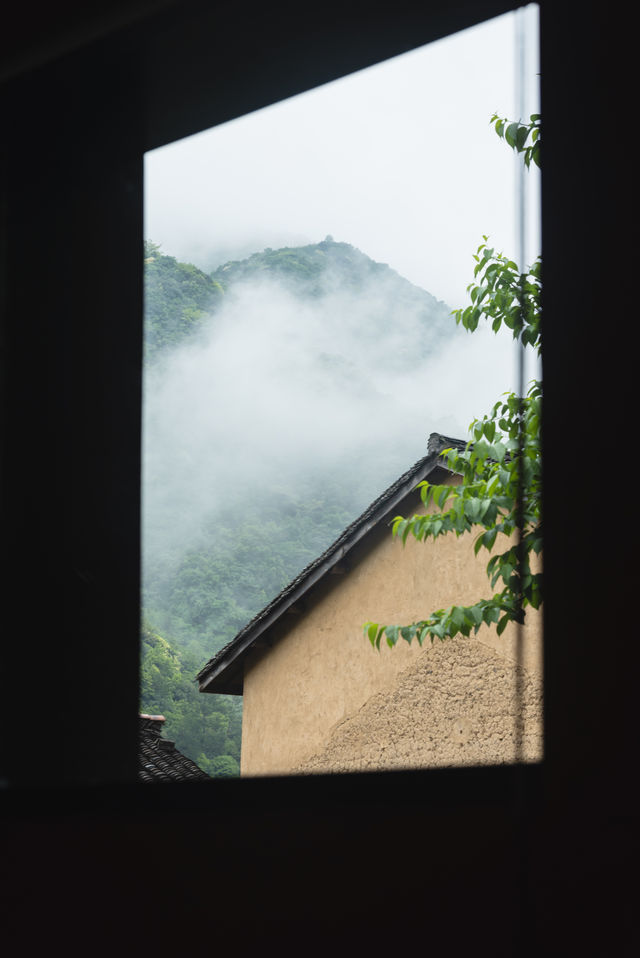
column 282, row 389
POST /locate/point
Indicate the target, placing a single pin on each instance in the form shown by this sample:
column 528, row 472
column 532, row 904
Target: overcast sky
column 399, row 160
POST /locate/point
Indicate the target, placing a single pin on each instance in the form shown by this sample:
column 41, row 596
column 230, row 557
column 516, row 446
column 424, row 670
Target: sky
column 398, row 160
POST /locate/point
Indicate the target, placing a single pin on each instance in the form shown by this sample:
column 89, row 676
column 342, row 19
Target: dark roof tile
column 159, row 760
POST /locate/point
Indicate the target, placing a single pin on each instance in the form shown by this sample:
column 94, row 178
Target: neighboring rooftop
column 159, row 760
column 225, row 671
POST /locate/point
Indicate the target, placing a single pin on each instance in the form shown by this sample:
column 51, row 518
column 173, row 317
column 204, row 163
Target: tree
column 206, row 728
column 500, row 468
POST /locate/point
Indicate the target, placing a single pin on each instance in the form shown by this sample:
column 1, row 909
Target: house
column 319, row 698
column 158, row 758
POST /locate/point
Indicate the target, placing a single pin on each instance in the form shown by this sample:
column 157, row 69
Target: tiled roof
column 159, row 760
column 223, row 672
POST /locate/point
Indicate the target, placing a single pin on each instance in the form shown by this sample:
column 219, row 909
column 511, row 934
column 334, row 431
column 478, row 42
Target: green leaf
column 372, row 632
column 476, row 614
column 491, row 613
column 489, row 538
column 499, row 451
column 535, row 153
column 442, row 495
column 391, row 632
column 511, row 134
column 521, row 137
column 458, row 616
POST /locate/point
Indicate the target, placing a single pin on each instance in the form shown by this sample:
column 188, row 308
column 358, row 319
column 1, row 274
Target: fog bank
column 281, row 390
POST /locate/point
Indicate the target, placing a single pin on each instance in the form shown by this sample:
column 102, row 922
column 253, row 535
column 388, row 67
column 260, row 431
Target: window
column 339, row 846
column 301, row 266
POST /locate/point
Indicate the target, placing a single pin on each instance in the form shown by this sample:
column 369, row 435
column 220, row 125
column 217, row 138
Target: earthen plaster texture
column 459, row 704
column 319, row 698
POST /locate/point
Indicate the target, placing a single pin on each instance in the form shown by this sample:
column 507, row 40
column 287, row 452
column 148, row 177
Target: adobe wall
column 457, row 705
column 322, row 699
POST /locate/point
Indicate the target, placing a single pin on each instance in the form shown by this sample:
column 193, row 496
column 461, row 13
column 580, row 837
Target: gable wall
column 321, row 699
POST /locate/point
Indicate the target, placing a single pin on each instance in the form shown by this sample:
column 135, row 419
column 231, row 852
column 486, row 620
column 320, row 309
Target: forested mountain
column 268, row 385
column 178, row 296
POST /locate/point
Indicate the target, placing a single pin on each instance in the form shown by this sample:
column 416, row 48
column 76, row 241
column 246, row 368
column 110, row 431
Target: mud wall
column 320, row 698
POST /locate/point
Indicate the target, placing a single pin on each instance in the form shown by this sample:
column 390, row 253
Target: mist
column 283, row 392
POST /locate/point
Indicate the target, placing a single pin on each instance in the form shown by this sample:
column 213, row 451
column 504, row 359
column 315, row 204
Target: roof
column 159, row 760
column 225, row 671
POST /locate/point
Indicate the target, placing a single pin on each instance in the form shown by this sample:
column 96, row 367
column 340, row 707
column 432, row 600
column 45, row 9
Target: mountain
column 179, row 297
column 321, row 268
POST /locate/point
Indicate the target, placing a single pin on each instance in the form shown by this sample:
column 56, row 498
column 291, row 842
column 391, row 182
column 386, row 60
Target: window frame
column 549, row 847
column 77, row 385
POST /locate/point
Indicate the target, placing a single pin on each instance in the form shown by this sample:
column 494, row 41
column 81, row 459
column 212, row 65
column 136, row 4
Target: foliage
column 223, row 766
column 178, row 298
column 319, row 269
column 504, row 295
column 304, row 268
column 205, row 728
column 522, row 137
column 500, row 468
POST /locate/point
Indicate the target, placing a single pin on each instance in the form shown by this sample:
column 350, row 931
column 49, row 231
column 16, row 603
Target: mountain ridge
column 180, row 297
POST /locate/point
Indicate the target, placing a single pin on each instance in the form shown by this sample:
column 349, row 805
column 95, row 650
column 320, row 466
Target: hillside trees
column 500, row 468
column 206, row 728
column 178, row 298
